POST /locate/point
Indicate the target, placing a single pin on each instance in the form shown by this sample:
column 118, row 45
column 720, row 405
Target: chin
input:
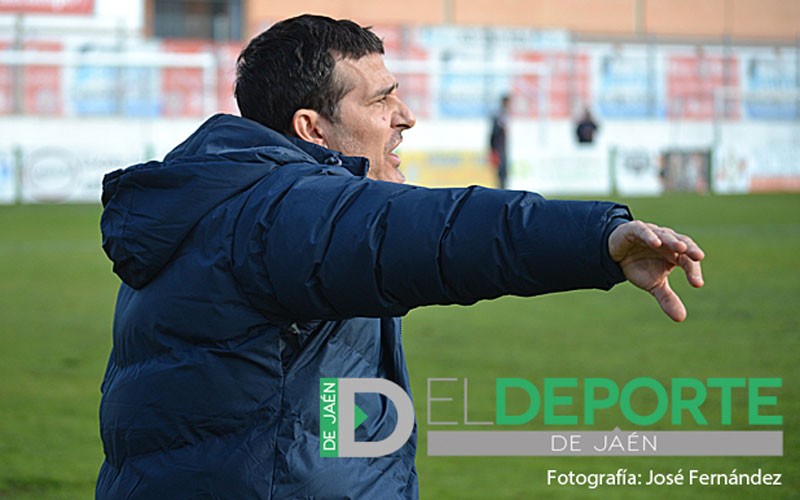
column 396, row 177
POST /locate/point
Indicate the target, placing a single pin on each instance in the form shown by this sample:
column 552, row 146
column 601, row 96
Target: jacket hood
column 150, row 208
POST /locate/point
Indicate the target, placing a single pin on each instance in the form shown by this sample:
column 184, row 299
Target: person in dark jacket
column 498, row 142
column 586, row 128
column 269, row 251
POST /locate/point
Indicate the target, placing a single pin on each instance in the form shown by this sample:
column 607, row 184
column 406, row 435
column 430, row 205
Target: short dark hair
column 290, row 66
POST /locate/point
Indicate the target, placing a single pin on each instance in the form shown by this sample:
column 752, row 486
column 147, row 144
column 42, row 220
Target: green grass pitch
column 57, row 296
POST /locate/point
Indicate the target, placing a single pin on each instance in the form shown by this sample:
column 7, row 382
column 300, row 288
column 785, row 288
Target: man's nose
column 405, row 117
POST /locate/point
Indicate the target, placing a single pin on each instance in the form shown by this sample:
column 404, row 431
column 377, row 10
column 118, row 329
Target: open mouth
column 392, row 153
column 394, row 160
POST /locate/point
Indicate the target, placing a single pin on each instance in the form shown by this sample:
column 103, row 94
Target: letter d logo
column 338, row 417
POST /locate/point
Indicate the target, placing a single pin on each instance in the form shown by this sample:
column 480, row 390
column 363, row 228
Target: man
column 586, row 128
column 267, row 252
column 498, row 142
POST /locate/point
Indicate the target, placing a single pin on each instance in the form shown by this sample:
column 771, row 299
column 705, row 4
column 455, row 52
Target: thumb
column 669, row 301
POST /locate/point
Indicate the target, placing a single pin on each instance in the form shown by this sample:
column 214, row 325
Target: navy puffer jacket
column 253, row 265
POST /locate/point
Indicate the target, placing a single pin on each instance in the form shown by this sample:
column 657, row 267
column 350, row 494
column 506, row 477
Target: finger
column 627, row 237
column 669, row 301
column 693, row 250
column 647, row 233
column 693, row 270
column 671, row 239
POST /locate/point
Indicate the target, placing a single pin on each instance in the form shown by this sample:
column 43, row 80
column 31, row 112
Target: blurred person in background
column 498, row 142
column 586, row 127
column 271, row 250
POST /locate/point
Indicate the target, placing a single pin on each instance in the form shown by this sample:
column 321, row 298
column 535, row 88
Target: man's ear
column 306, row 125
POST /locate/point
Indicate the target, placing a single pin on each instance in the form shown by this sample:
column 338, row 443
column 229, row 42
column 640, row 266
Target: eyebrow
column 386, row 90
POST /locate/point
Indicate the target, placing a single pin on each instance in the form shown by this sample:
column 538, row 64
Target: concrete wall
column 738, row 19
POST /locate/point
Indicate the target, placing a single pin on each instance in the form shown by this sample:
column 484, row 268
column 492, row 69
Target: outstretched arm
column 648, row 253
column 335, row 247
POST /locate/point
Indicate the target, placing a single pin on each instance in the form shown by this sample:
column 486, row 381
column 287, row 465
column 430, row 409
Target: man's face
column 371, row 117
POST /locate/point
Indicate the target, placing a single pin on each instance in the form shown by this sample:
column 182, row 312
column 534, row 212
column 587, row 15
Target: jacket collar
column 357, row 165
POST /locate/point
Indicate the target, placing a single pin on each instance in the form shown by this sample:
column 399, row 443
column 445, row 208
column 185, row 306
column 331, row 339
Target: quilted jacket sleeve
column 334, row 247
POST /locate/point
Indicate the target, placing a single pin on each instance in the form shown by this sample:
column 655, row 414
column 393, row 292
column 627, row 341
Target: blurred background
column 696, row 105
column 687, row 95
